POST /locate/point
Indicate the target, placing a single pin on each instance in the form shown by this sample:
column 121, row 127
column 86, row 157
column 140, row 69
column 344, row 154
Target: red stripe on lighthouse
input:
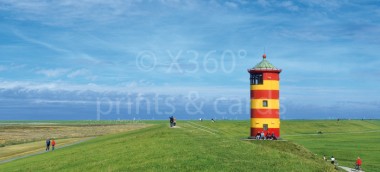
column 265, row 94
column 265, row 113
column 271, row 76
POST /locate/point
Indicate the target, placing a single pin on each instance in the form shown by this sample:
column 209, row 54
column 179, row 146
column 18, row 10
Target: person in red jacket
column 358, row 163
column 53, row 144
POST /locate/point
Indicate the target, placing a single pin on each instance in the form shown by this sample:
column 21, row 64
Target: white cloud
column 35, row 41
column 231, row 5
column 48, row 101
column 289, row 5
column 85, row 73
column 52, row 72
column 263, row 3
column 328, row 4
column 304, row 35
column 67, row 12
column 78, row 73
column 134, row 87
column 88, row 58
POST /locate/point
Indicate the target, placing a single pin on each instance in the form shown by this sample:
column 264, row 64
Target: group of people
column 173, row 121
column 268, row 136
column 201, row 119
column 50, row 142
column 358, row 162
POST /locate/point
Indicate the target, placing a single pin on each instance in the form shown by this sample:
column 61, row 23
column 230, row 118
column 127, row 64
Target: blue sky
column 150, row 59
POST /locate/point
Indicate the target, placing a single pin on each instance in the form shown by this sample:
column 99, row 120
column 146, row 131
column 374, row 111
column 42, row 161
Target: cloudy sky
column 96, row 59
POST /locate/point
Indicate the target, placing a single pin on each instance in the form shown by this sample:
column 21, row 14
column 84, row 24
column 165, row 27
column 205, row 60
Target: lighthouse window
column 265, row 103
column 265, row 127
column 256, row 79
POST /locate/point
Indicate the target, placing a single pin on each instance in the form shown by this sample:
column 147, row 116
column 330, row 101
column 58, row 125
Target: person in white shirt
column 332, row 160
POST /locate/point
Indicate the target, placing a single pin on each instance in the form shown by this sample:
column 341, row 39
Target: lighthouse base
column 254, row 131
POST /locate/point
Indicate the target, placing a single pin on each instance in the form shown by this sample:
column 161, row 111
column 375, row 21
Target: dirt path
column 201, row 127
column 348, row 169
column 28, row 149
column 354, row 132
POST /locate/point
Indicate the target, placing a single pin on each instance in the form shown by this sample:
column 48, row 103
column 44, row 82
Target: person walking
column 174, row 121
column 47, row 144
column 358, row 164
column 52, row 144
column 171, row 120
column 332, row 160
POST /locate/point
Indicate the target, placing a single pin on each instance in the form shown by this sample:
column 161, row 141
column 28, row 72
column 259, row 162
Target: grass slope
column 18, row 150
column 195, row 146
column 19, row 132
column 345, row 140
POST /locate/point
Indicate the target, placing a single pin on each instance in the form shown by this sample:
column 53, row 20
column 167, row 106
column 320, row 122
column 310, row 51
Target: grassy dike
column 193, row 146
column 345, row 140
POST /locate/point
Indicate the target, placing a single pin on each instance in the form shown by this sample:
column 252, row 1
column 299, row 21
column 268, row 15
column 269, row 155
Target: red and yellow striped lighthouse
column 265, row 104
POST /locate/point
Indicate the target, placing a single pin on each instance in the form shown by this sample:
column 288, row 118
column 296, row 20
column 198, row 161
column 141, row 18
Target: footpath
column 349, row 169
column 42, row 151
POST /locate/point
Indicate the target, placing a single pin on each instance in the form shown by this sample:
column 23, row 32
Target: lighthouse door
column 265, row 127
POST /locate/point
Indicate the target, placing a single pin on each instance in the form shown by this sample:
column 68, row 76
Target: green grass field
column 345, row 140
column 13, row 151
column 206, row 146
column 19, row 132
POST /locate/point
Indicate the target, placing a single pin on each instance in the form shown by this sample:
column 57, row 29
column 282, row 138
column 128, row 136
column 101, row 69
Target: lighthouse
column 265, row 94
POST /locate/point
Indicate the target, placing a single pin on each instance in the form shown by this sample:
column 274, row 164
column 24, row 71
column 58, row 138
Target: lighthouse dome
column 264, row 65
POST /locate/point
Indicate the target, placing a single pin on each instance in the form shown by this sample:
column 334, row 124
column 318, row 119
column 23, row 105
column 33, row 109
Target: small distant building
column 265, row 94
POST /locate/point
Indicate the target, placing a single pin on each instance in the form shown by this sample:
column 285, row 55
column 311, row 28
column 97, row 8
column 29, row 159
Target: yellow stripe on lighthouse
column 258, row 122
column 267, row 85
column 271, row 104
